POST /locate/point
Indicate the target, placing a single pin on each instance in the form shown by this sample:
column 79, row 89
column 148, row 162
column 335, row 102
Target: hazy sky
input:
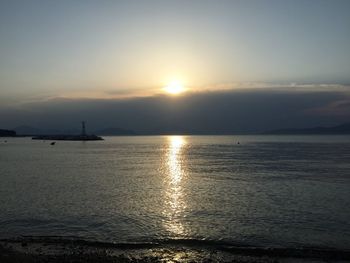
column 247, row 65
column 113, row 48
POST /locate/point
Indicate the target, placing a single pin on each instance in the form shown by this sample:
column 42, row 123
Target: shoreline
column 56, row 249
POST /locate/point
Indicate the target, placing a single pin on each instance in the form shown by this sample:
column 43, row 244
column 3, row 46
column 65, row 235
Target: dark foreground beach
column 44, row 249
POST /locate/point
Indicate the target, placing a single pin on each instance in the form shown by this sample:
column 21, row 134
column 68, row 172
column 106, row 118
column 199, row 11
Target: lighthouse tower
column 83, row 132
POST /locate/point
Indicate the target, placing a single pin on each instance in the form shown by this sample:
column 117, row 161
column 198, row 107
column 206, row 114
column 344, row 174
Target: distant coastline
column 51, row 134
column 30, row 131
column 339, row 129
column 68, row 137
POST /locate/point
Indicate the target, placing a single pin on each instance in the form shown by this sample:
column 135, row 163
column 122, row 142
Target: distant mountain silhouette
column 339, row 129
column 28, row 130
column 7, row 133
column 115, row 131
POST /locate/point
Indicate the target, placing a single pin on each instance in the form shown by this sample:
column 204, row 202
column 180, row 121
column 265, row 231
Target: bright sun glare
column 174, row 88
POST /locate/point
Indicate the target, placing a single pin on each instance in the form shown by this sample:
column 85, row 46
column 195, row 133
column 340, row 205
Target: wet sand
column 66, row 250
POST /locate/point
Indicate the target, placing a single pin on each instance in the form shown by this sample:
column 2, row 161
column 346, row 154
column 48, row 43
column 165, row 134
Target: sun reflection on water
column 175, row 202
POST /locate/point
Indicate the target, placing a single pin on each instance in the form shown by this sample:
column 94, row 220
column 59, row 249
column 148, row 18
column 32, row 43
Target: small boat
column 53, row 143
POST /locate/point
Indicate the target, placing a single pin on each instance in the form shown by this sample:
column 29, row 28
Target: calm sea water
column 266, row 191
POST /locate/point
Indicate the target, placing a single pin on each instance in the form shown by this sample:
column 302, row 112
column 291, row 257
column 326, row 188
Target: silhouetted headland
column 339, row 129
column 7, row 133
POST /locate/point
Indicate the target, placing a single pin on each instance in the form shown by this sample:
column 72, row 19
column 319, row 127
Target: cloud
column 340, row 108
column 223, row 112
column 288, row 86
column 139, row 92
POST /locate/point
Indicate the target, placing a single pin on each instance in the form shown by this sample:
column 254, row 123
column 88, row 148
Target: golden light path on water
column 175, row 202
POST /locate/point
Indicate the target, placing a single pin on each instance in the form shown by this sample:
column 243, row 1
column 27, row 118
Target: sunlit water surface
column 265, row 191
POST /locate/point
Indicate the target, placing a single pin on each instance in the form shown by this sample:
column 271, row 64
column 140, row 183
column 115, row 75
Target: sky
column 54, row 53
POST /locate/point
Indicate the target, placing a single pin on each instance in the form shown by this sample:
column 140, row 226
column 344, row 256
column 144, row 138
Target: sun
column 174, row 88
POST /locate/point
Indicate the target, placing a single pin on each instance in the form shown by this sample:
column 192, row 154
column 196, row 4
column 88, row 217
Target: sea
column 262, row 191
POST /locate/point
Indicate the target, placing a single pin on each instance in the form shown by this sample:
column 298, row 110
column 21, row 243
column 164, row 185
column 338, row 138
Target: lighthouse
column 83, row 132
